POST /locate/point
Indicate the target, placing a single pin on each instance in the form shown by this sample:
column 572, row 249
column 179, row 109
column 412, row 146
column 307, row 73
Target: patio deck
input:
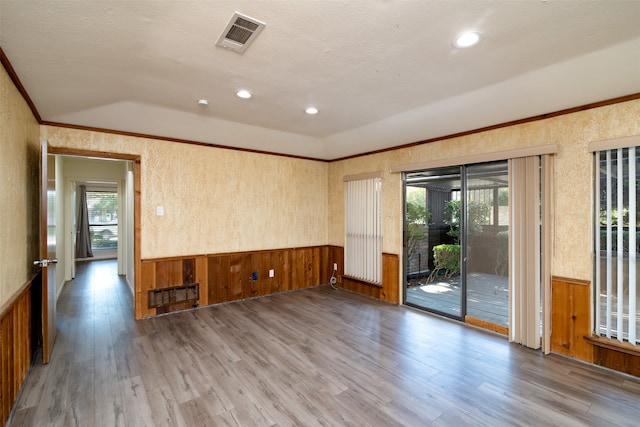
column 488, row 300
column 487, row 297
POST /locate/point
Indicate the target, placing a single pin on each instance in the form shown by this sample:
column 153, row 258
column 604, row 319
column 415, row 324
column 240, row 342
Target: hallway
column 95, row 319
column 310, row 357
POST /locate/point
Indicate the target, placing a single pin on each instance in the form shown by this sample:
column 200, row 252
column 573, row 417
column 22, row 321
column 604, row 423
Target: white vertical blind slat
column 632, row 246
column 598, row 243
column 620, row 246
column 609, row 248
column 534, row 277
column 378, row 234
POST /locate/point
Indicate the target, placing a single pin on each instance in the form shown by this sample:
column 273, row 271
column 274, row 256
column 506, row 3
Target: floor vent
column 240, row 32
column 173, row 295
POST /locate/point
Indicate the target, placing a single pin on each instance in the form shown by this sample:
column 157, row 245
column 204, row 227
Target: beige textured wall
column 216, row 200
column 573, row 176
column 19, row 157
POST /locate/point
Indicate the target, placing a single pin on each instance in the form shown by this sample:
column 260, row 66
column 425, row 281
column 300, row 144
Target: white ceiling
column 383, row 73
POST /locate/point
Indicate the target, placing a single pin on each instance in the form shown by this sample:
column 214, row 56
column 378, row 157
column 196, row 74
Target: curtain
column 83, row 238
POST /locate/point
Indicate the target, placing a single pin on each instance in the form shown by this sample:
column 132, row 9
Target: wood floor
column 306, row 358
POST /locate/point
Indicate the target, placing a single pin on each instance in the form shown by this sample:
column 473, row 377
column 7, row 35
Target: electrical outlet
column 335, row 266
column 272, row 273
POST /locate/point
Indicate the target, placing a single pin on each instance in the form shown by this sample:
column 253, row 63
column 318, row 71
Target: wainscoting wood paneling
column 336, row 256
column 15, row 346
column 230, row 276
column 170, row 272
column 570, row 318
column 390, row 273
column 613, row 354
column 617, row 360
column 388, row 291
column 361, row 287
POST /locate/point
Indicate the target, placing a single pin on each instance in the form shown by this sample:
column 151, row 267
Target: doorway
column 456, row 242
column 114, row 182
column 57, row 225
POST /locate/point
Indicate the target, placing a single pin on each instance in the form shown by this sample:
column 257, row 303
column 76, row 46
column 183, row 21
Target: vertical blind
column 530, row 251
column 363, row 228
column 616, row 243
column 525, row 261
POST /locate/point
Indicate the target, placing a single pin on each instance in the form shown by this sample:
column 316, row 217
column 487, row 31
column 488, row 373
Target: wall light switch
column 159, row 210
column 335, row 266
column 272, row 273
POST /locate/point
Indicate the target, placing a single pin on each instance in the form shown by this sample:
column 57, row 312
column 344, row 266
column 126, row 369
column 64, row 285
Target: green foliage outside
column 477, row 216
column 103, row 219
column 614, row 240
column 452, row 209
column 107, row 202
column 446, row 258
column 417, row 218
column 615, row 215
column 503, row 197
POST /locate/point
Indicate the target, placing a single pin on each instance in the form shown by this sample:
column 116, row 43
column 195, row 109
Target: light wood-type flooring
column 306, row 358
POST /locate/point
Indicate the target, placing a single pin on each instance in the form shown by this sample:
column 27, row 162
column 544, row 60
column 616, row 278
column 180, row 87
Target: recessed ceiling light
column 203, row 102
column 244, row 94
column 468, row 39
column 311, row 110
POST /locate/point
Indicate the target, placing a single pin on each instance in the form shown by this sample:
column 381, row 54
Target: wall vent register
column 173, row 295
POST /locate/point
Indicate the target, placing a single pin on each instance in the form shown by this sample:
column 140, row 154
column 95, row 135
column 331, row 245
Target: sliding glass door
column 432, row 256
column 487, row 243
column 456, row 241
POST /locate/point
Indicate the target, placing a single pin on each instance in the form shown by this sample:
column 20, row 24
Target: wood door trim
column 43, row 253
column 64, row 151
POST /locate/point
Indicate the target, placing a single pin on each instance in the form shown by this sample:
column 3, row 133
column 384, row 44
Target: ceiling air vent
column 240, row 32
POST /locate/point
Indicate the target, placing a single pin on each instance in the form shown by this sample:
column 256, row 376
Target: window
column 363, row 240
column 103, row 219
column 51, row 217
column 616, row 243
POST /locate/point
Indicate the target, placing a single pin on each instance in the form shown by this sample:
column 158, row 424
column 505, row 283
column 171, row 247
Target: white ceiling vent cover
column 240, row 32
